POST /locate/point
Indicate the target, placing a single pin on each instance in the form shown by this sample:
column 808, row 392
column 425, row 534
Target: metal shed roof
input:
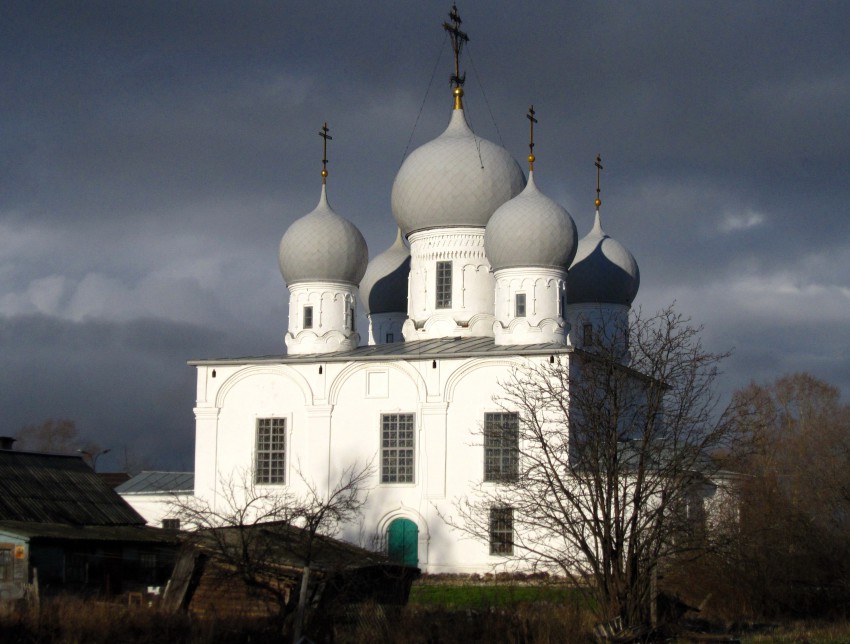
column 159, row 483
column 419, row 349
column 55, row 488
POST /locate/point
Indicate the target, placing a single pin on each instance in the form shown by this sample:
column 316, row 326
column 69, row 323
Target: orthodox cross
column 324, row 134
column 598, row 165
column 459, row 38
column 531, row 122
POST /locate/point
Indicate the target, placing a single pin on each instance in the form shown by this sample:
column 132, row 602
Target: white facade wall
column 609, row 323
column 333, row 315
column 545, row 306
column 386, row 327
column 154, row 507
column 471, row 310
column 333, row 421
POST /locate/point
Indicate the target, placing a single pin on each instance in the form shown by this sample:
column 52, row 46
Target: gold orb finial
column 457, row 92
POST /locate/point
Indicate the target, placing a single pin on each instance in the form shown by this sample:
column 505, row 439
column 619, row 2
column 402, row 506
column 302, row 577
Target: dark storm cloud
column 152, row 154
column 125, row 384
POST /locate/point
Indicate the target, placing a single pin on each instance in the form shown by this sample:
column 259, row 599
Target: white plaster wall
column 153, row 507
column 380, row 324
column 330, row 302
column 333, row 422
column 544, row 291
column 610, row 323
column 471, row 313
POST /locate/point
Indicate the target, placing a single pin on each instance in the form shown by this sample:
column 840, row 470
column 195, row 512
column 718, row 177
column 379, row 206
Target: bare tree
column 791, row 553
column 55, row 436
column 259, row 531
column 614, row 453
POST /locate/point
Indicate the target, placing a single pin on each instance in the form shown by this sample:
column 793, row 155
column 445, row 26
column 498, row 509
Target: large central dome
column 458, row 179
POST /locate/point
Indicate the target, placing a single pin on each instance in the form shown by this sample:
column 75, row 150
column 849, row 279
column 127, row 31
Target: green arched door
column 403, row 542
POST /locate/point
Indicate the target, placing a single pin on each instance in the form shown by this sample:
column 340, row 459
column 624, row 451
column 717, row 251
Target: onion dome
column 530, row 230
column 603, row 271
column 323, row 247
column 383, row 288
column 458, row 179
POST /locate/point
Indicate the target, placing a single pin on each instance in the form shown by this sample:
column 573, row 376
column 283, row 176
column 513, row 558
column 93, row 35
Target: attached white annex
column 484, row 284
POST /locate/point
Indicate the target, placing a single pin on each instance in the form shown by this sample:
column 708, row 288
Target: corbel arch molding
column 355, row 367
column 404, row 512
column 473, row 365
column 265, row 369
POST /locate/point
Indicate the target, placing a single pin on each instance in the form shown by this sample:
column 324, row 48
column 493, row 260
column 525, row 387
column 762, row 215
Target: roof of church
column 530, row 230
column 322, row 246
column 603, row 270
column 419, row 349
column 458, row 179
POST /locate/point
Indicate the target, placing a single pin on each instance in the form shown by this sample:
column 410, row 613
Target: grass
column 509, row 612
column 490, row 595
column 803, row 633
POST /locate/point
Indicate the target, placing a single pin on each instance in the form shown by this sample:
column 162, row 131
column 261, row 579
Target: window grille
column 271, row 451
column 501, row 531
column 397, row 448
column 501, row 444
column 444, row 285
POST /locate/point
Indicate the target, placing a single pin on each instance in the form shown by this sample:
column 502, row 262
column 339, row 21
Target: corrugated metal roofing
column 420, row 349
column 158, row 483
column 53, row 488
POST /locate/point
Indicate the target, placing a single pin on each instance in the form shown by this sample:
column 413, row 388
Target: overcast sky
column 153, row 153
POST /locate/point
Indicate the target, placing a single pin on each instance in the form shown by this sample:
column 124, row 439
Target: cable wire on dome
column 424, row 98
column 484, row 94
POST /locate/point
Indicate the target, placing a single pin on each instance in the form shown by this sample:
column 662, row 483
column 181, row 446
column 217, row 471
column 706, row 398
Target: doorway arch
column 403, row 542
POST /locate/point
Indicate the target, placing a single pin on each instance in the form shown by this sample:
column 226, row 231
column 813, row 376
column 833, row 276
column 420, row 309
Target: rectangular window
column 308, row 317
column 587, row 331
column 444, row 285
column 501, row 531
column 271, row 451
column 390, row 338
column 6, row 564
column 519, row 308
column 397, row 448
column 349, row 318
column 171, row 524
column 501, row 444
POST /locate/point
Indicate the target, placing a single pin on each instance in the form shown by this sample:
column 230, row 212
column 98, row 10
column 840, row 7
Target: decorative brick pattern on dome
column 323, row 247
column 603, row 271
column 458, row 179
column 530, row 230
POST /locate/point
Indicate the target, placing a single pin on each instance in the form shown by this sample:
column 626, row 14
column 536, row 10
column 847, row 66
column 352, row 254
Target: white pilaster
column 434, row 428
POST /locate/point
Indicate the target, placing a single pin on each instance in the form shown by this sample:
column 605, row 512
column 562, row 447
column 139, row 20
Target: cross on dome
column 324, row 134
column 531, row 121
column 459, row 39
column 598, row 165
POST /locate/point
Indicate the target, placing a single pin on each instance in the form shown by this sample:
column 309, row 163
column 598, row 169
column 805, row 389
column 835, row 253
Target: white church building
column 486, row 274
